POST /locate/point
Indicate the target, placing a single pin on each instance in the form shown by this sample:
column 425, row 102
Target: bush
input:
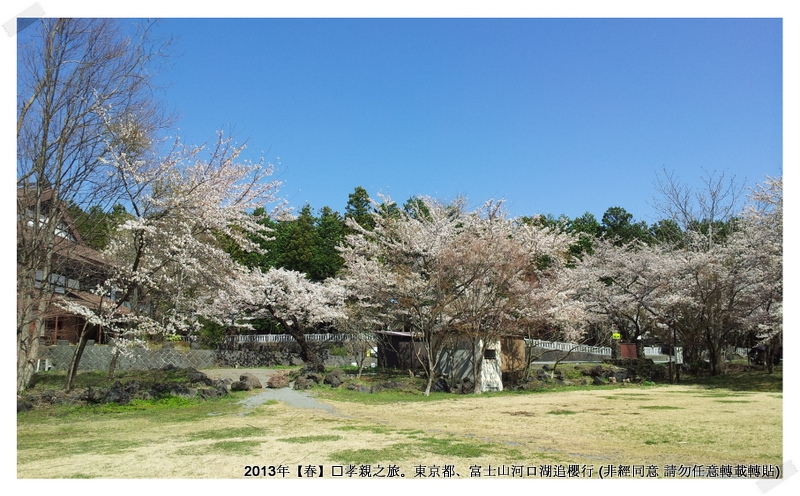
column 338, row 350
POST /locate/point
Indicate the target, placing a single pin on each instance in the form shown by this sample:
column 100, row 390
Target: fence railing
column 581, row 348
column 285, row 338
column 550, row 345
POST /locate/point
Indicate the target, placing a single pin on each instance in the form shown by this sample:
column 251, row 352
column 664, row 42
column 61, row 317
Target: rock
column 440, row 386
column 596, row 371
column 94, row 395
column 381, row 386
column 303, row 382
column 599, row 381
column 278, row 381
column 117, row 395
column 241, row 386
column 353, row 386
column 467, row 387
column 199, row 377
column 208, row 393
column 23, row 405
column 335, row 378
column 132, row 388
column 160, row 388
column 250, row 379
column 183, row 391
column 311, row 368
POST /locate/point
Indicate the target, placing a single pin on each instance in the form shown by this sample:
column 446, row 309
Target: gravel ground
column 297, row 399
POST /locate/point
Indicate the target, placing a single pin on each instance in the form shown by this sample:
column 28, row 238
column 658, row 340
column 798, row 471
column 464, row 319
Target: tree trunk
column 113, row 366
column 72, row 372
column 477, row 365
column 28, row 343
column 640, row 349
column 430, row 370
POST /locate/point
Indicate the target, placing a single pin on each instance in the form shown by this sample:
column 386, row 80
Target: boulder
column 117, row 395
column 160, row 388
column 250, row 379
column 335, row 378
column 353, row 386
column 241, row 386
column 132, row 387
column 303, row 382
column 94, row 395
column 208, row 393
column 199, row 377
column 183, row 391
column 23, row 405
column 440, row 386
column 278, row 381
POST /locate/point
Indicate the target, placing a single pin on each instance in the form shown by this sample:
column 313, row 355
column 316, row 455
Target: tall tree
column 585, row 228
column 82, row 84
column 169, row 264
column 289, row 298
column 705, row 209
column 444, row 274
column 330, row 231
column 359, row 208
column 298, row 238
column 619, row 226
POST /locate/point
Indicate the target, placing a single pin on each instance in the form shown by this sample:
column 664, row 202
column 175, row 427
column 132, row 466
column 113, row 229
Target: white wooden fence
column 581, row 348
column 550, row 345
column 284, row 338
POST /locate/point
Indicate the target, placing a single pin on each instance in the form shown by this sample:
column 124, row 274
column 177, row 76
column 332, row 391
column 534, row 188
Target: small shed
column 627, row 350
column 398, row 349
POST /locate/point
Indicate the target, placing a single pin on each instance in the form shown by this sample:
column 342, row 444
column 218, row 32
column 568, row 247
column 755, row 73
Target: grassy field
column 736, row 420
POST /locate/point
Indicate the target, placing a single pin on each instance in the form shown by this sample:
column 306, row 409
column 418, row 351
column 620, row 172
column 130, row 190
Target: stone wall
column 98, row 357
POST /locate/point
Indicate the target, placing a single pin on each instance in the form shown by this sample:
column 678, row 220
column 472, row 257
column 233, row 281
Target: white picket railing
column 284, row 338
column 550, row 345
column 581, row 348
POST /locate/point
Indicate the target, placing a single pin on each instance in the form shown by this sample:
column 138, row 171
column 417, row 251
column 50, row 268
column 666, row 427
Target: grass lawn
column 736, row 420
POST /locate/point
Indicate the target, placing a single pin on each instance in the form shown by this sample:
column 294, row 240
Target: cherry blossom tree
column 78, row 80
column 734, row 287
column 763, row 224
column 622, row 283
column 288, row 297
column 446, row 275
column 504, row 265
column 398, row 264
column 168, row 265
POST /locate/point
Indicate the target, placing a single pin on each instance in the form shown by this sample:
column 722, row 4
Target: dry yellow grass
column 645, row 426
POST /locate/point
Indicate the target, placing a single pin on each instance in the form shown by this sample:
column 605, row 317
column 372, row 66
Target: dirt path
column 293, row 398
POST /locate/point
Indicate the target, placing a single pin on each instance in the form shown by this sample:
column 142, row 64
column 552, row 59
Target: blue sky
column 557, row 116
